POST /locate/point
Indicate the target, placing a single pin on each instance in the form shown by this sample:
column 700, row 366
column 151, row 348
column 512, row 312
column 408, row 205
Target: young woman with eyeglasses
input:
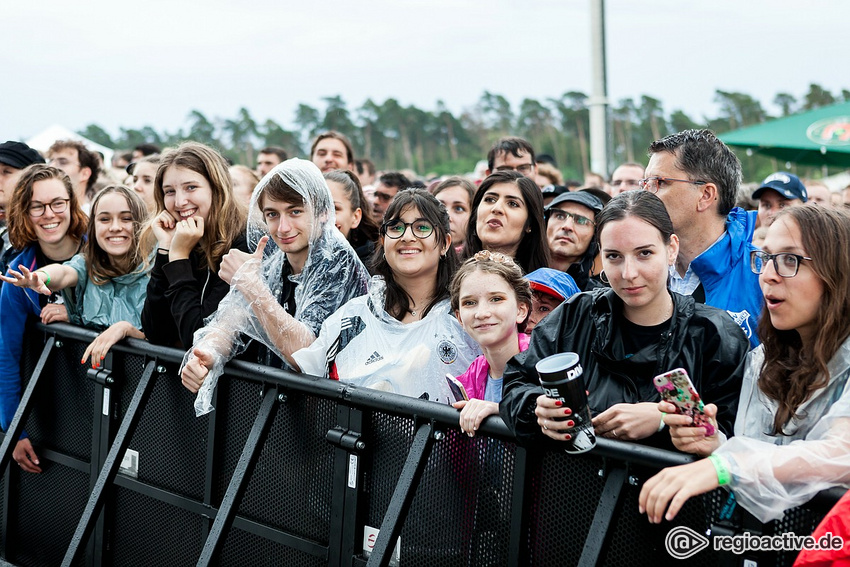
column 401, row 336
column 47, row 225
column 104, row 286
column 626, row 335
column 792, row 433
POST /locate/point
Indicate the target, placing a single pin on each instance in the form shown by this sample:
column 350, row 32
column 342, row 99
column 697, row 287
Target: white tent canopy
column 43, row 140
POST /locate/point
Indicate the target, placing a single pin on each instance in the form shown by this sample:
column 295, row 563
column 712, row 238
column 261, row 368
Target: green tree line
column 439, row 141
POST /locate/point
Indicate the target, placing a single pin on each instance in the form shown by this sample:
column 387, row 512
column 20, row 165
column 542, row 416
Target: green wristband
column 723, row 474
column 46, row 275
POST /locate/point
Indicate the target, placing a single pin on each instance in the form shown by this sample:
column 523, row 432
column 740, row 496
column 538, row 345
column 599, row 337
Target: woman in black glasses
column 401, row 336
column 626, row 335
column 792, row 433
column 47, row 225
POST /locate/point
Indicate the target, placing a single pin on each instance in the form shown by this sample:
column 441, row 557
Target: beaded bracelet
column 723, row 474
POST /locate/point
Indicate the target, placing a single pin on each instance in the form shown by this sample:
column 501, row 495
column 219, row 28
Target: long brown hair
column 100, row 267
column 226, row 219
column 790, row 373
column 21, row 231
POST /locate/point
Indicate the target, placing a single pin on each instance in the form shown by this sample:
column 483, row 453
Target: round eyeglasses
column 420, row 228
column 786, row 264
column 36, row 209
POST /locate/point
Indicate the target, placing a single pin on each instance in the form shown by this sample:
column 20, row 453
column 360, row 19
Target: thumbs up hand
column 196, row 370
column 233, row 261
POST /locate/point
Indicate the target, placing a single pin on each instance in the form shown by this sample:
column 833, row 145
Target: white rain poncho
column 368, row 347
column 772, row 473
column 332, row 274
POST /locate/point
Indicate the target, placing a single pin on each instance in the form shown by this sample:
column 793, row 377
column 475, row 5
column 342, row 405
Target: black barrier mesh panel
column 150, row 532
column 634, row 541
column 237, row 406
column 243, row 548
column 292, row 482
column 390, row 442
column 561, row 506
column 49, row 507
column 63, row 421
column 171, row 441
column 801, row 521
column 127, row 371
column 460, row 514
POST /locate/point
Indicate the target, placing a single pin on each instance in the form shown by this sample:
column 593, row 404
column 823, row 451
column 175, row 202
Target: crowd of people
column 379, row 279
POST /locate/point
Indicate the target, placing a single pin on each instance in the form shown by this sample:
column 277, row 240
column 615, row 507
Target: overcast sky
column 151, row 63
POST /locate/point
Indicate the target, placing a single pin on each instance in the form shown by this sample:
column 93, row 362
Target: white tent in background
column 43, row 140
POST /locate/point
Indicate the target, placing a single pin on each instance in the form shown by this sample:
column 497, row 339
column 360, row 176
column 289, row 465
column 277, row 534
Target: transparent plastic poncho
column 772, row 473
column 332, row 274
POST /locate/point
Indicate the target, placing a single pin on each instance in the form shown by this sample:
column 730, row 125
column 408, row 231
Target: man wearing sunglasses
column 697, row 177
column 570, row 231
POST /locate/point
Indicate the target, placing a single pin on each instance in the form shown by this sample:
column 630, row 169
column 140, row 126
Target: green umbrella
column 817, row 137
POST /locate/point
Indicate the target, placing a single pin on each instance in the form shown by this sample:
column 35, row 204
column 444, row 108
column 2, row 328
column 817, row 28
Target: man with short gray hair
column 697, row 177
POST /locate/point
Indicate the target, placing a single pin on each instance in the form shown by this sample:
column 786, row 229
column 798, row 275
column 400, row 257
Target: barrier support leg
column 403, row 495
column 519, row 520
column 10, row 440
column 605, row 511
column 110, row 465
column 241, row 477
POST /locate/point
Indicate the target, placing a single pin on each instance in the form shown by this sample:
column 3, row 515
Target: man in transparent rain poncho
column 281, row 294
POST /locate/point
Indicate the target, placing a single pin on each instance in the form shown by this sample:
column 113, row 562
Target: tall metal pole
column 599, row 91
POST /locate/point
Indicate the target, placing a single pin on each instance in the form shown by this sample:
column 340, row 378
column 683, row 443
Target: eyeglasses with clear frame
column 420, row 228
column 786, row 264
column 562, row 216
column 653, row 184
column 37, row 209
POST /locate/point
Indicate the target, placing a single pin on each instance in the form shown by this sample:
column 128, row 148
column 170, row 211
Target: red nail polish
column 571, row 423
column 568, row 411
column 568, row 437
column 559, row 403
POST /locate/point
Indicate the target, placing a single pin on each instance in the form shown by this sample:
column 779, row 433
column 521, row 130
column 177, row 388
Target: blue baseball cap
column 786, row 184
column 553, row 282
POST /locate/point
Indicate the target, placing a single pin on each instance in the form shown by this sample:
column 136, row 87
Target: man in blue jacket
column 697, row 177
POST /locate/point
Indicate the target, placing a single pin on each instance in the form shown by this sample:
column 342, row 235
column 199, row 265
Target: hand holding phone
column 458, row 391
column 676, row 387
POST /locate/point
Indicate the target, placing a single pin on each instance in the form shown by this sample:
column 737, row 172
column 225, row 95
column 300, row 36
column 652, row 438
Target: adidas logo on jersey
column 374, row 358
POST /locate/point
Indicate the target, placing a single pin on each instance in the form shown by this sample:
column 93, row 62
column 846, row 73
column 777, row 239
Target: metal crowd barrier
column 296, row 470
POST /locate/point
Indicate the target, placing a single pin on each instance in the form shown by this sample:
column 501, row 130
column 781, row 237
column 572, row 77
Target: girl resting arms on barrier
column 197, row 221
column 792, row 434
column 626, row 335
column 491, row 300
column 104, row 287
column 283, row 292
column 47, row 224
column 402, row 336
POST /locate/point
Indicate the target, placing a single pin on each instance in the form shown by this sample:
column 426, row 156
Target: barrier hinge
column 102, row 376
column 346, row 439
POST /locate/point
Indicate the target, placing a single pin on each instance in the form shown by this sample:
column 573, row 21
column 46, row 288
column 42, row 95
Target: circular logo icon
column 830, row 131
column 683, row 542
column 447, row 351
